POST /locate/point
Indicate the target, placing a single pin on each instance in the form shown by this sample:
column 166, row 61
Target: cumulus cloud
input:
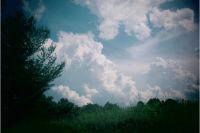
column 71, row 95
column 89, row 92
column 135, row 16
column 169, row 20
column 174, row 67
column 36, row 11
column 158, row 92
column 91, row 71
column 174, row 80
column 131, row 14
column 97, row 79
column 108, row 29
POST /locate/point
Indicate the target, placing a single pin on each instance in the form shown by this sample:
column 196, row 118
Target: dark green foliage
column 28, row 67
column 153, row 102
column 110, row 106
column 140, row 104
column 91, row 108
column 66, row 108
column 166, row 117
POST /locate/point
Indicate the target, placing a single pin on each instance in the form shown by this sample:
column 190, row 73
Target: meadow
column 155, row 116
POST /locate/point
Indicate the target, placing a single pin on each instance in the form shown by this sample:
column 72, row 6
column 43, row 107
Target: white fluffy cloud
column 158, row 92
column 96, row 79
column 134, row 16
column 84, row 55
column 131, row 14
column 73, row 96
column 95, row 75
column 179, row 72
column 174, row 81
column 89, row 92
column 173, row 19
column 108, row 29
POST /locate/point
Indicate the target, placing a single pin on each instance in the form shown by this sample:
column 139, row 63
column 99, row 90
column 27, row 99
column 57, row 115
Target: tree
column 140, row 104
column 170, row 102
column 110, row 106
column 154, row 102
column 66, row 108
column 91, row 108
column 28, row 66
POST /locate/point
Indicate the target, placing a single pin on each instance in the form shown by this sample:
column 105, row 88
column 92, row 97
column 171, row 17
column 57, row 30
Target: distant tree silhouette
column 66, row 108
column 170, row 102
column 154, row 101
column 91, row 107
column 28, row 67
column 110, row 106
column 140, row 104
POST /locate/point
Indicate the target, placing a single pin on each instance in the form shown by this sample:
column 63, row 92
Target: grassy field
column 154, row 117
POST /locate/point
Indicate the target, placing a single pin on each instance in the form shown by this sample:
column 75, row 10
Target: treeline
column 155, row 116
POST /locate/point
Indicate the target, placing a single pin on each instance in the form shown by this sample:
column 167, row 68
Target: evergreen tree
column 28, row 66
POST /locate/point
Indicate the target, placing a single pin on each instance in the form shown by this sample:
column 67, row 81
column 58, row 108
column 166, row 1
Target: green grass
column 149, row 118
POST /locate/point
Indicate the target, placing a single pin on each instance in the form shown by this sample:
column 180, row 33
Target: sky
column 122, row 51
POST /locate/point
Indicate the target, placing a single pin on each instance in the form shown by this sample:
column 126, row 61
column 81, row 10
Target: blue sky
column 122, row 51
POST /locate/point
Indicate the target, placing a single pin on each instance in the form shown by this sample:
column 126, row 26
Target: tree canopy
column 28, row 66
